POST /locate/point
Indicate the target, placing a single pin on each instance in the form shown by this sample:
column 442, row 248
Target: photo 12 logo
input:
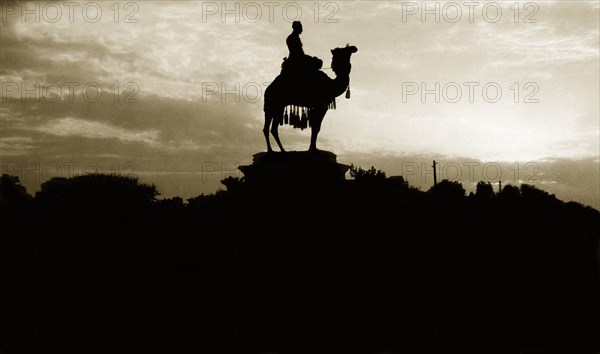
column 234, row 92
column 220, row 171
column 68, row 91
column 33, row 171
column 271, row 11
column 250, row 92
column 469, row 11
column 471, row 92
column 472, row 171
column 72, row 11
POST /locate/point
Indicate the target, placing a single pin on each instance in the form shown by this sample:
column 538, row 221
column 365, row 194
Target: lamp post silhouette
column 434, row 174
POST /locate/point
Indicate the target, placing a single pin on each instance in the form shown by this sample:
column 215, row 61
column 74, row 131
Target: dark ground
column 367, row 266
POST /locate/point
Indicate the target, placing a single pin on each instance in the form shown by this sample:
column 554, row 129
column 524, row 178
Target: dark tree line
column 99, row 263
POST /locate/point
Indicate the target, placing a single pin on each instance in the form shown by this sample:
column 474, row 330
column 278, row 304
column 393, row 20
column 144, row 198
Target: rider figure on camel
column 298, row 64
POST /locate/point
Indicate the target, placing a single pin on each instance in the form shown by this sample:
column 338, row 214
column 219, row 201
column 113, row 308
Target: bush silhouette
column 12, row 193
column 366, row 176
column 484, row 191
column 368, row 181
column 447, row 191
column 171, row 203
column 233, row 184
column 207, row 201
column 96, row 191
column 534, row 195
column 509, row 194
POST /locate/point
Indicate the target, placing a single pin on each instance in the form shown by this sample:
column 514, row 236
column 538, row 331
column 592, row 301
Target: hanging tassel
column 304, row 120
column 348, row 92
column 286, row 118
column 293, row 117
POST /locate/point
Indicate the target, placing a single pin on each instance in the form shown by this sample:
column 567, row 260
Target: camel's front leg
column 275, row 132
column 313, row 137
column 315, row 124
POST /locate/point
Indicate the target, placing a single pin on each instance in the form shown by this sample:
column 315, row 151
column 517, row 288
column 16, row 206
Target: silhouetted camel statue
column 315, row 91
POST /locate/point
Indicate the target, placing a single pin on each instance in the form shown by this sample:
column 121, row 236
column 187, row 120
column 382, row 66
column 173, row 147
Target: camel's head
column 340, row 63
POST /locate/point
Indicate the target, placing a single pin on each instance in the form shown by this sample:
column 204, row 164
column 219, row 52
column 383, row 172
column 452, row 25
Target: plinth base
column 294, row 171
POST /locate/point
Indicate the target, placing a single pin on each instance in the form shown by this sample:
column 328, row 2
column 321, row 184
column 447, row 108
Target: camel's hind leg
column 316, row 119
column 275, row 131
column 268, row 120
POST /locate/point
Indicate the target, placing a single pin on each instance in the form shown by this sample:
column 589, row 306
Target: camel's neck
column 339, row 84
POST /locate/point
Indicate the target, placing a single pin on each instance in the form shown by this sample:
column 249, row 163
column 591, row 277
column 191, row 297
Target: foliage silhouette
column 171, row 203
column 366, row 176
column 12, row 193
column 510, row 194
column 447, row 191
column 372, row 264
column 96, row 191
column 536, row 196
column 233, row 184
column 484, row 191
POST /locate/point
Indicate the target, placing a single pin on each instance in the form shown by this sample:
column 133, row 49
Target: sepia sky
column 138, row 87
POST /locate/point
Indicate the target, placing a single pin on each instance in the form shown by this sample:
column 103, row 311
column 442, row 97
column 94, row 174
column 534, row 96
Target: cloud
column 15, row 146
column 69, row 126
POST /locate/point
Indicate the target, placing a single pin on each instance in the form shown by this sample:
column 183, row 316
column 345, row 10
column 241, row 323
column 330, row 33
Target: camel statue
column 308, row 97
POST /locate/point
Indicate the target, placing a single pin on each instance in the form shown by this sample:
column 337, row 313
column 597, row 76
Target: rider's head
column 297, row 26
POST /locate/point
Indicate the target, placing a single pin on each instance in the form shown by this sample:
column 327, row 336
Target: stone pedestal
column 294, row 171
